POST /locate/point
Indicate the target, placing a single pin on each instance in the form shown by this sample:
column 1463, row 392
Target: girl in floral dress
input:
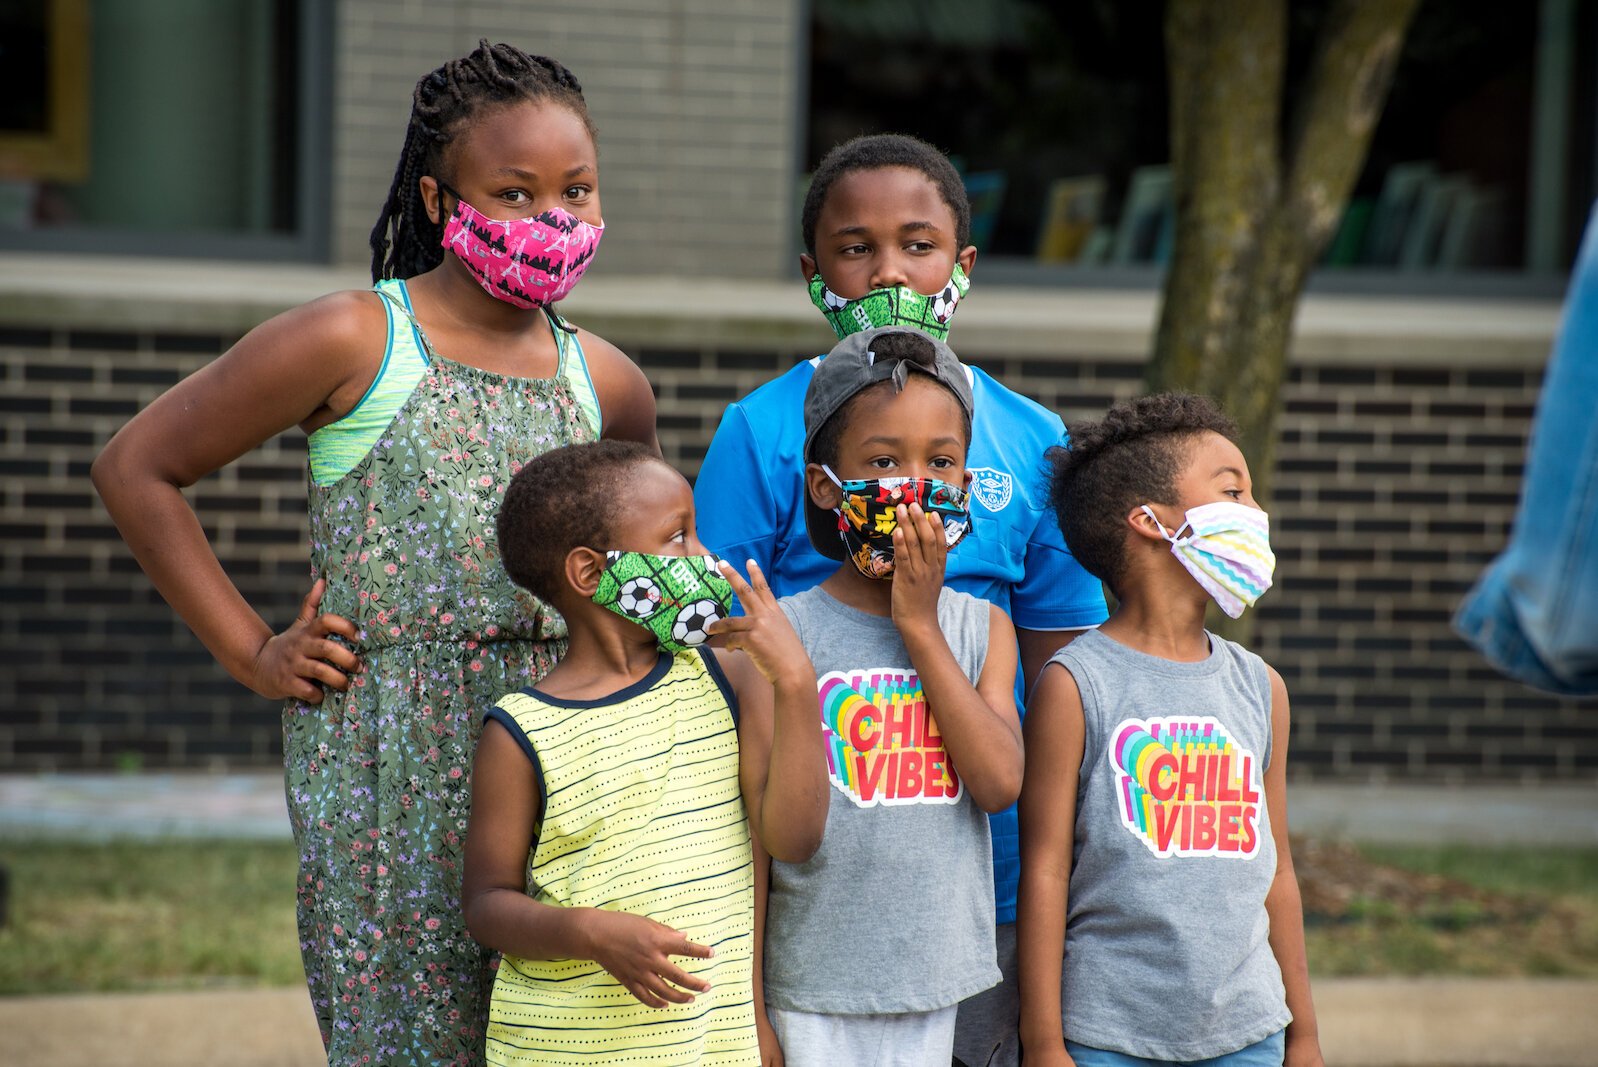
column 421, row 398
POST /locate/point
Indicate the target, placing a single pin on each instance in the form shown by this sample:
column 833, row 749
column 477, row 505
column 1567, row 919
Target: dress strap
column 387, row 288
column 339, row 447
column 573, row 369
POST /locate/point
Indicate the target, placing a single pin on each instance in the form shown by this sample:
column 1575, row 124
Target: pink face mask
column 530, row 262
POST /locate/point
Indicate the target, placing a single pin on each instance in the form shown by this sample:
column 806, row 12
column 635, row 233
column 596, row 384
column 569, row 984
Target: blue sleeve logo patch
column 991, row 488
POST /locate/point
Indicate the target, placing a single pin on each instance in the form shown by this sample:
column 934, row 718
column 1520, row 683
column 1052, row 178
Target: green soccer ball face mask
column 896, row 306
column 676, row 598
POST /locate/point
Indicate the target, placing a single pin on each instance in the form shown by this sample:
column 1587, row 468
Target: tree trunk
column 1254, row 207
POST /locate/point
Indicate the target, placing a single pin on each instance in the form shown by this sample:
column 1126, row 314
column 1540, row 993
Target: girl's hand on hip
column 302, row 659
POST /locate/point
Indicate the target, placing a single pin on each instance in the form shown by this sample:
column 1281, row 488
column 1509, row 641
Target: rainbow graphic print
column 883, row 746
column 1185, row 788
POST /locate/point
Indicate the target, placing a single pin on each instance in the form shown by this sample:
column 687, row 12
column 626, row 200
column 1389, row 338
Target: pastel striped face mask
column 1226, row 547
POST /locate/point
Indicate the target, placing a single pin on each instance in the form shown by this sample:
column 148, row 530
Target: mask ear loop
column 1175, row 538
column 838, row 511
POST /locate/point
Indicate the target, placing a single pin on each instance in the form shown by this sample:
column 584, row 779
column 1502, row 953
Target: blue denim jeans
column 1266, row 1053
column 1534, row 611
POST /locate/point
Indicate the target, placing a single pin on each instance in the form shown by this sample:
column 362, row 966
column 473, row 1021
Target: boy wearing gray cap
column 871, row 944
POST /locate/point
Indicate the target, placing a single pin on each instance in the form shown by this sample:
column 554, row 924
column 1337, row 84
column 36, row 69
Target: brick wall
column 695, row 101
column 1397, row 482
column 97, row 670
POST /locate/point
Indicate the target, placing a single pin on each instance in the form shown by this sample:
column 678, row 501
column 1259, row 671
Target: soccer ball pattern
column 692, row 621
column 674, row 597
column 943, row 304
column 639, row 598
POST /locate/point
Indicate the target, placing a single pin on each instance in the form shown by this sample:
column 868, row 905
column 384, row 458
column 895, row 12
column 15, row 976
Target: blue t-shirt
column 749, row 505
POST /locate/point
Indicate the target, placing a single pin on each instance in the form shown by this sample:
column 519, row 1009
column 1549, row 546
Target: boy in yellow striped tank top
column 609, row 856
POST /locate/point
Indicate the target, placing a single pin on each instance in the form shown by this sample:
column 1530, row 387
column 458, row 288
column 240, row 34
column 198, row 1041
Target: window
column 1478, row 177
column 165, row 127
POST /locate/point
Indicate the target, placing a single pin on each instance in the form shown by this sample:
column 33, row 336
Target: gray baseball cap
column 850, row 367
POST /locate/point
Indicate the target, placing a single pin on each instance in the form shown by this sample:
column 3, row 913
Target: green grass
column 1560, row 872
column 148, row 915
column 1498, row 912
column 187, row 914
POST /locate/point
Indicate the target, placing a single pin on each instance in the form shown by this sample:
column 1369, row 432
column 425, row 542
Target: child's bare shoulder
column 349, row 319
column 341, row 331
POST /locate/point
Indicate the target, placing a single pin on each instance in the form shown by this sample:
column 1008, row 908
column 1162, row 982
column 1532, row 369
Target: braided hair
column 405, row 242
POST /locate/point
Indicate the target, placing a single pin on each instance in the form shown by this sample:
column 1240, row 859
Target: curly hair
column 405, row 242
column 874, row 152
column 566, row 498
column 1132, row 456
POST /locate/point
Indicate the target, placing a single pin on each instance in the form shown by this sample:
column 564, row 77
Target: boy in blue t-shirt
column 886, row 229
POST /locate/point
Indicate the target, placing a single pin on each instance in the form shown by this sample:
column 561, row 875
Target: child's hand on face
column 763, row 632
column 919, row 555
column 637, row 952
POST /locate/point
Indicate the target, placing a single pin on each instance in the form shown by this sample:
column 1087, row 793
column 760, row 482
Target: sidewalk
column 251, row 806
column 1364, row 1023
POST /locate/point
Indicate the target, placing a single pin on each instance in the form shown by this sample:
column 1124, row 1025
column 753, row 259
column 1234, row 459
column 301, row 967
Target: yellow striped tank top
column 643, row 814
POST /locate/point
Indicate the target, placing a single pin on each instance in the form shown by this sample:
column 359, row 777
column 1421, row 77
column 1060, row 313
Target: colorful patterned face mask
column 898, row 306
column 867, row 516
column 1227, row 549
column 531, row 262
column 673, row 597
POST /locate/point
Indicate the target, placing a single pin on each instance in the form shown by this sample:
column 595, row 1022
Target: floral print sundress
column 378, row 778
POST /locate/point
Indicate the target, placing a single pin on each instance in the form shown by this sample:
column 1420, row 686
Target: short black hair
column 566, row 498
column 405, row 242
column 909, row 346
column 1132, row 456
column 874, row 152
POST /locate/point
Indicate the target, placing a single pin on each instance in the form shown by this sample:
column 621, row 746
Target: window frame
column 310, row 241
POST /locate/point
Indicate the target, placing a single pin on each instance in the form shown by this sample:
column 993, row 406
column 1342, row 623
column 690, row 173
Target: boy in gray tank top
column 871, row 944
column 1160, row 919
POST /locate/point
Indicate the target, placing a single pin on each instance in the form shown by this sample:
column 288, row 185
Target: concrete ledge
column 1550, row 815
column 670, row 311
column 1454, row 1022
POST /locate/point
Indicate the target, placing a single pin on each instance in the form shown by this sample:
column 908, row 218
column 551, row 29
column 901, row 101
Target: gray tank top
column 894, row 913
column 1166, row 950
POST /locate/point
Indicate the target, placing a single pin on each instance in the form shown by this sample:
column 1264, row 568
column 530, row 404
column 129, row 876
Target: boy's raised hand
column 637, row 952
column 919, row 556
column 763, row 632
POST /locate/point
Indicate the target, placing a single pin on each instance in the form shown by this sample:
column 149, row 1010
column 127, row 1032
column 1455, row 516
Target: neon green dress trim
column 337, row 448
